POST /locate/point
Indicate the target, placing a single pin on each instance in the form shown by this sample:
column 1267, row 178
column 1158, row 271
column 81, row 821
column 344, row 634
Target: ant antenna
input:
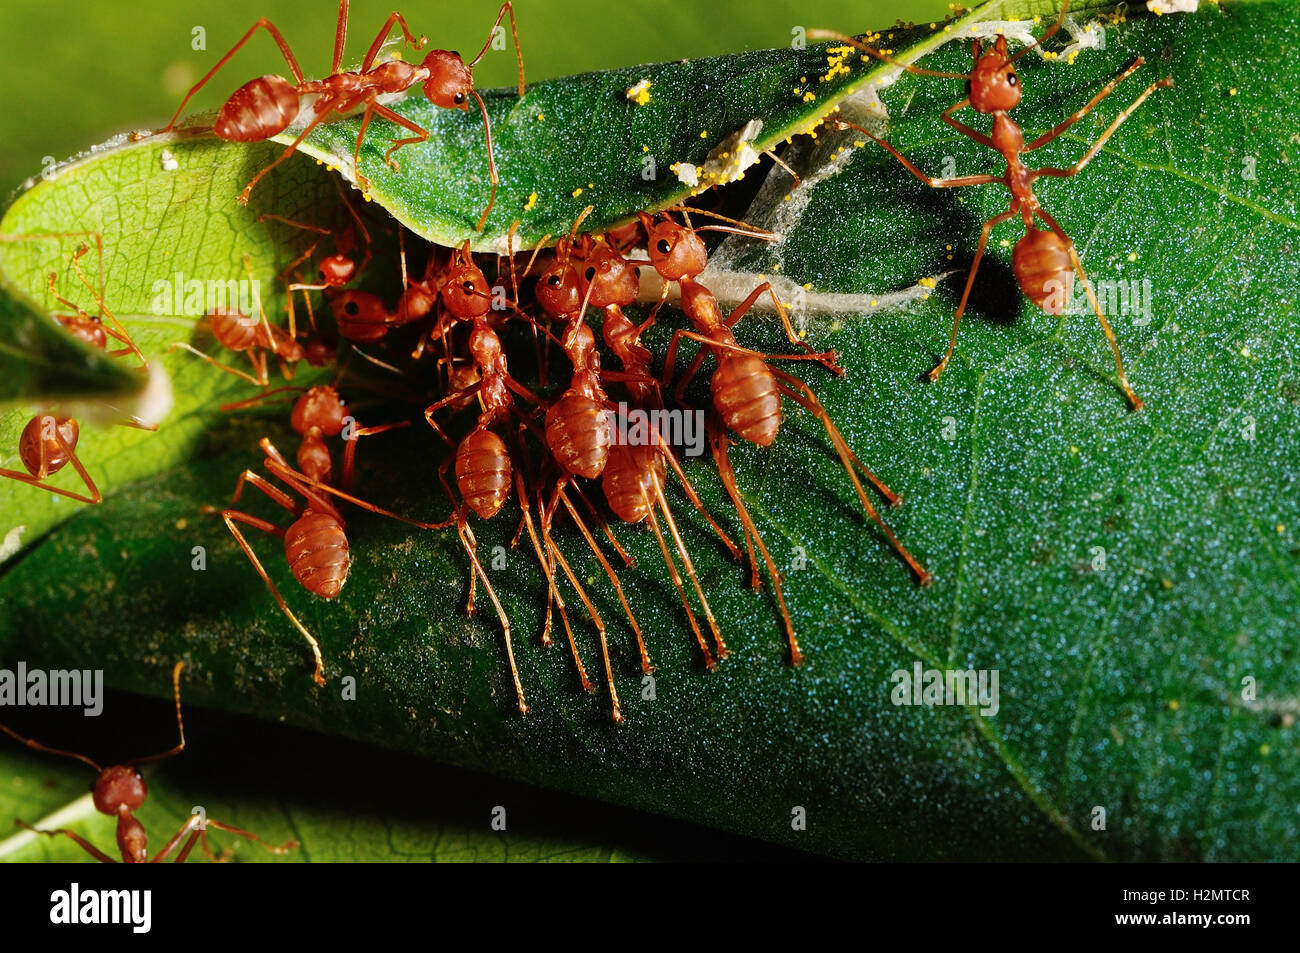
column 180, row 724
column 37, row 746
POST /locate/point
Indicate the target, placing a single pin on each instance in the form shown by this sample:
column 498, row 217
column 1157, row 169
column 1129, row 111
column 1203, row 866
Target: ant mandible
column 1043, row 259
column 120, row 791
column 266, row 106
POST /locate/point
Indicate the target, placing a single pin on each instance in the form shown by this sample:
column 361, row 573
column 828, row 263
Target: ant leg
column 356, row 151
column 1105, row 91
column 197, row 826
column 933, row 183
column 471, row 547
column 992, row 223
column 676, row 578
column 728, row 477
column 350, row 451
column 613, row 578
column 262, row 23
column 809, row 402
column 687, row 564
column 771, row 154
column 39, row 481
column 828, row 359
column 448, row 401
column 557, row 557
column 421, row 134
column 80, row 841
column 260, row 381
column 288, row 151
column 965, row 130
column 231, row 517
column 1110, row 131
column 180, row 723
column 670, row 360
column 1134, row 400
column 696, row 501
column 506, row 7
column 553, row 596
column 375, row 47
column 305, row 484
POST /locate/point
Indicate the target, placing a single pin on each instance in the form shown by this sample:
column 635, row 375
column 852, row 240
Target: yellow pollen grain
column 1281, row 528
column 541, row 117
column 807, row 286
column 645, row 148
column 1232, row 92
column 1173, row 704
column 1132, row 256
column 704, row 133
column 576, row 192
column 531, row 203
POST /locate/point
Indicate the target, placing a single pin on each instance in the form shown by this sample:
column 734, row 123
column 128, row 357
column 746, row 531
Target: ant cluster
column 550, row 450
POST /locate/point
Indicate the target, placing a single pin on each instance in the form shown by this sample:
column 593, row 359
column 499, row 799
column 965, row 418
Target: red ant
column 48, row 442
column 1044, row 262
column 485, row 472
column 120, row 791
column 266, row 106
column 747, row 391
column 316, row 544
column 577, row 427
column 241, row 332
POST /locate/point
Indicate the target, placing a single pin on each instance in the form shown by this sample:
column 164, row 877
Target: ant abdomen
column 577, row 431
column 629, row 481
column 317, row 550
column 746, row 395
column 258, row 110
column 1043, row 267
column 236, row 331
column 483, row 472
column 54, row 455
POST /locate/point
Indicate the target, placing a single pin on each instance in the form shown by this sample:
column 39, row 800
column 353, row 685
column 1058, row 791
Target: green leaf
column 1121, row 687
column 38, row 358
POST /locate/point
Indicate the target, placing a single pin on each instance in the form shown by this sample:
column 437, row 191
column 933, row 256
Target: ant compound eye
column 458, row 99
column 1013, row 80
column 351, row 308
column 553, row 280
column 664, row 246
column 638, row 272
column 591, row 273
column 137, row 772
column 468, row 287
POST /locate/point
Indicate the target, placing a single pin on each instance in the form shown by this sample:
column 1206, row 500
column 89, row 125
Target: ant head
column 466, row 292
column 360, row 315
column 85, row 328
column 608, row 278
column 450, row 83
column 319, row 410
column 557, row 289
column 119, row 788
column 993, row 85
column 675, row 251
column 318, row 352
column 337, row 270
